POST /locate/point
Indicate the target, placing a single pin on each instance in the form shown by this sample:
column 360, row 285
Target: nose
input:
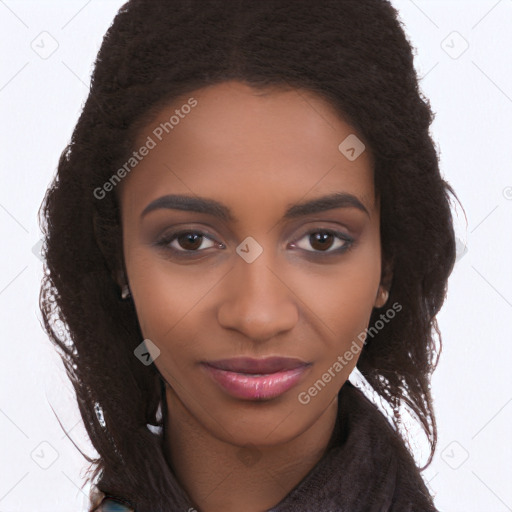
column 257, row 301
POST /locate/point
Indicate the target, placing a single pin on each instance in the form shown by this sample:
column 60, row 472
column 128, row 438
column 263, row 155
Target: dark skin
column 257, row 154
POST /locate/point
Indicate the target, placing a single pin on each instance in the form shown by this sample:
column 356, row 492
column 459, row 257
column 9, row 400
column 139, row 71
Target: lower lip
column 249, row 387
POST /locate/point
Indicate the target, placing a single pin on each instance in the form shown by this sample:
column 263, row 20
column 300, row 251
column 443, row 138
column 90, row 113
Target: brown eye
column 190, row 241
column 185, row 241
column 323, row 240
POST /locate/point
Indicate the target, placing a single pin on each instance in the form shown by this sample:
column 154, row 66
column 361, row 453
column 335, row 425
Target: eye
column 326, row 241
column 186, row 241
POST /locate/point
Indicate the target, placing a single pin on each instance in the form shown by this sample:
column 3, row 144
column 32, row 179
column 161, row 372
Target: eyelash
column 167, row 239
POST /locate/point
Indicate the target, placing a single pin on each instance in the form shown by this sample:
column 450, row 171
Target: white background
column 471, row 94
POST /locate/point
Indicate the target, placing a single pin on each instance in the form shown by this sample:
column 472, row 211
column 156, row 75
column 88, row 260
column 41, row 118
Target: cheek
column 340, row 298
column 170, row 302
column 340, row 301
column 164, row 293
column 352, row 305
column 344, row 310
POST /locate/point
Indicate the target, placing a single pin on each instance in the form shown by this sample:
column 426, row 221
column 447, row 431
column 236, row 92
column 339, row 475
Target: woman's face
column 239, row 258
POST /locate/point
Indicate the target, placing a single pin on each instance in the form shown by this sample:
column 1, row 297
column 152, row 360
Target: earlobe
column 382, row 297
column 120, row 278
column 121, row 281
column 385, row 285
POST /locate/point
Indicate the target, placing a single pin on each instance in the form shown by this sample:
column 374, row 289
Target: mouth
column 256, row 379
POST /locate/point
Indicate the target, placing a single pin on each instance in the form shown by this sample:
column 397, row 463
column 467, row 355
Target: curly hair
column 353, row 54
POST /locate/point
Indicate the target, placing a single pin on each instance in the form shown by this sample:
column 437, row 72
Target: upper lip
column 250, row 365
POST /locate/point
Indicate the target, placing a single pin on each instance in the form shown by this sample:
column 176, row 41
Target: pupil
column 321, row 239
column 191, row 238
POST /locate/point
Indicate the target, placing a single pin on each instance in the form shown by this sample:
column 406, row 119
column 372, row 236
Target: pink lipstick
column 256, row 379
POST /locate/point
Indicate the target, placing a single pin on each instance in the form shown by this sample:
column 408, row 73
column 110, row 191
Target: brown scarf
column 366, row 468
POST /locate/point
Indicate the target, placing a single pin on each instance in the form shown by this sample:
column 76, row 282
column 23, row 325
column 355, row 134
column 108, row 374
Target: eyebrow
column 222, row 212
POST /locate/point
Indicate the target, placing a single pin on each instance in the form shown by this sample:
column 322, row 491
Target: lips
column 257, row 366
column 256, row 379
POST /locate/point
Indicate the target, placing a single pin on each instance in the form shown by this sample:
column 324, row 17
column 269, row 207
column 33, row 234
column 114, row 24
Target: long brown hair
column 355, row 55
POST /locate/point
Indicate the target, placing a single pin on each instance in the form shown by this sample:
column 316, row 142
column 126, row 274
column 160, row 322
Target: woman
column 249, row 209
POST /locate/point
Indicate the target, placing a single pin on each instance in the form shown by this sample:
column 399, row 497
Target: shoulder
column 113, row 505
column 100, row 502
column 384, row 446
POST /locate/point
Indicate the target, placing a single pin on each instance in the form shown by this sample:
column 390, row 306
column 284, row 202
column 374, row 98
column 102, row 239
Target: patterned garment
column 110, row 504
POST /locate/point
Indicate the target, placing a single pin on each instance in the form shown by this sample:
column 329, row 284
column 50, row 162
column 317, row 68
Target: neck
column 218, row 475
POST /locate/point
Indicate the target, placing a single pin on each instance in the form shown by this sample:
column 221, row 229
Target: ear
column 385, row 284
column 119, row 277
column 105, row 236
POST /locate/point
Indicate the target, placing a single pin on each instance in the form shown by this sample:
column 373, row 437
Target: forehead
column 245, row 144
